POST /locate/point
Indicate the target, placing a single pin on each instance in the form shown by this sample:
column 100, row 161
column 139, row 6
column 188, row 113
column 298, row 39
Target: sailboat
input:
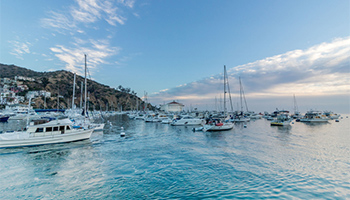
column 219, row 124
column 239, row 116
column 82, row 120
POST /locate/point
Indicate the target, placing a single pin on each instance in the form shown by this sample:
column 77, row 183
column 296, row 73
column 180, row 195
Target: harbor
column 157, row 161
column 130, row 99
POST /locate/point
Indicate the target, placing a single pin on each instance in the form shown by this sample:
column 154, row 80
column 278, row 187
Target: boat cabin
column 49, row 128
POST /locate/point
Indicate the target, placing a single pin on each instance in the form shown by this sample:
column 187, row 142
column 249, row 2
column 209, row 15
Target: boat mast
column 85, row 97
column 228, row 88
column 225, row 110
column 296, row 109
column 73, row 91
column 81, row 95
column 242, row 95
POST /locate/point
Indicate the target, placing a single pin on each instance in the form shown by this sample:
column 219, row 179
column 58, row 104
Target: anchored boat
column 57, row 131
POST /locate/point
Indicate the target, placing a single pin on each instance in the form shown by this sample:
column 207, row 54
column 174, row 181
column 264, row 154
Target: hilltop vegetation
column 60, row 83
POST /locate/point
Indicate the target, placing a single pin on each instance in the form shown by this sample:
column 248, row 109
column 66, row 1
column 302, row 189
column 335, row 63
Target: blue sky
column 176, row 50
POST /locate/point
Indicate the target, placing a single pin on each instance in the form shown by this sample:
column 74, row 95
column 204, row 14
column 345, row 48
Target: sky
column 176, row 50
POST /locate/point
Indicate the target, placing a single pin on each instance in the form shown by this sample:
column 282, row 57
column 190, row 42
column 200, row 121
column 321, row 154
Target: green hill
column 61, row 83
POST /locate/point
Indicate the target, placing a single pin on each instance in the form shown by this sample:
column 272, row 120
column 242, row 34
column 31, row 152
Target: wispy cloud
column 97, row 51
column 87, row 12
column 19, row 48
column 320, row 70
column 59, row 21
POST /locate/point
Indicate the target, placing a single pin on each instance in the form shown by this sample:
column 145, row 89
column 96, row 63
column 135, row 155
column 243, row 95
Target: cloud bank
column 322, row 69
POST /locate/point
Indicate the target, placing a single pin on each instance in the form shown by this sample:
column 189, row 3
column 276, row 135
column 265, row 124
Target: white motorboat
column 140, row 116
column 283, row 119
column 149, row 118
column 166, row 121
column 314, row 116
column 57, row 131
column 160, row 118
column 239, row 118
column 219, row 126
column 331, row 115
column 186, row 121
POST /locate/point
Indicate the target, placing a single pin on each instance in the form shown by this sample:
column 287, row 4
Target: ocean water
column 159, row 161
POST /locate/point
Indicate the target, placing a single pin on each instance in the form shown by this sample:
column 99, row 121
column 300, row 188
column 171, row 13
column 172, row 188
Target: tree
column 45, row 81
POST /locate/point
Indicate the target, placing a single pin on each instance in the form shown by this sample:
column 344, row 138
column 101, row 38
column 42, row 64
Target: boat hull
column 224, row 127
column 287, row 123
column 314, row 120
column 53, row 139
column 4, row 119
column 192, row 122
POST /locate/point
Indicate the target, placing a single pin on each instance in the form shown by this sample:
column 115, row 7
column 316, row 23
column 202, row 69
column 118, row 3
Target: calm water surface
column 159, row 161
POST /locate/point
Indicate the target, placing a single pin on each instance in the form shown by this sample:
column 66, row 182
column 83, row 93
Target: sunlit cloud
column 322, row 69
column 97, row 52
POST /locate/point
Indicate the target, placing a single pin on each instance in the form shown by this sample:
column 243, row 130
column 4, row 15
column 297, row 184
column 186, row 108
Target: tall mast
column 240, row 93
column 73, row 92
column 81, row 95
column 228, row 88
column 296, row 110
column 85, row 97
column 225, row 110
column 58, row 99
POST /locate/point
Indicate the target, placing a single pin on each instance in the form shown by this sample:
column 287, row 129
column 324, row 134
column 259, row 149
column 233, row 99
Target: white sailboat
column 83, row 121
column 218, row 124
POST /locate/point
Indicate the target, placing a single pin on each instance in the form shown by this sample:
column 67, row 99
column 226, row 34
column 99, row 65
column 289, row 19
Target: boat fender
column 219, row 124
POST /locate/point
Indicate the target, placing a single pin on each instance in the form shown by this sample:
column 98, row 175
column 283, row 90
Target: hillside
column 61, row 83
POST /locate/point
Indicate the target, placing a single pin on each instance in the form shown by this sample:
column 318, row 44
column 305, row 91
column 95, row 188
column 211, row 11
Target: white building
column 33, row 94
column 24, row 78
column 172, row 107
